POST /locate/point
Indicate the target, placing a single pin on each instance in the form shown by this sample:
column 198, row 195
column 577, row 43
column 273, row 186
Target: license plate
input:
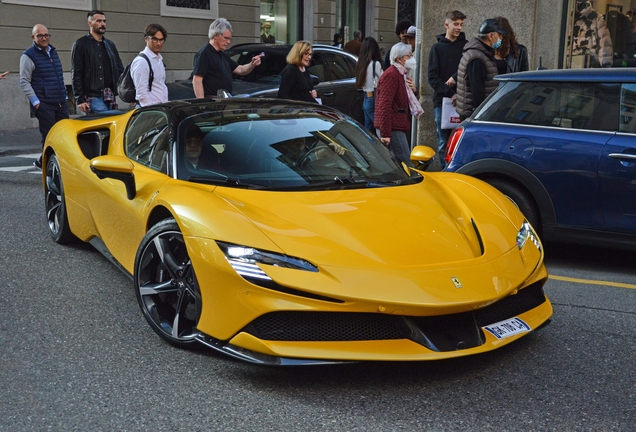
column 507, row 328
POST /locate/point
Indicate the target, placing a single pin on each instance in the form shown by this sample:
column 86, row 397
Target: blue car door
column 617, row 169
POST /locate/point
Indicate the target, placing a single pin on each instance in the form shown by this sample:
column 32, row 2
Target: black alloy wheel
column 166, row 286
column 55, row 205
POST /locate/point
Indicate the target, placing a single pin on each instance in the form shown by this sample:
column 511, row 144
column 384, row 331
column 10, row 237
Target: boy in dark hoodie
column 443, row 61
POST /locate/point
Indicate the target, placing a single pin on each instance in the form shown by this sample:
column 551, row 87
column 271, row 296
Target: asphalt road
column 76, row 354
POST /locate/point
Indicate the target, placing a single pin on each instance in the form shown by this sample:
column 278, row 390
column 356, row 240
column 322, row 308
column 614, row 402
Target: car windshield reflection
column 312, row 150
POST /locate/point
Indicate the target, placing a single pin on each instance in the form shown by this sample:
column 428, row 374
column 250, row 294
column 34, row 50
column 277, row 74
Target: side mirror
column 421, row 156
column 118, row 168
column 223, row 94
column 314, row 80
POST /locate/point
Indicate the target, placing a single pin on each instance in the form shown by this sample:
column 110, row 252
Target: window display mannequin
column 265, row 36
column 591, row 36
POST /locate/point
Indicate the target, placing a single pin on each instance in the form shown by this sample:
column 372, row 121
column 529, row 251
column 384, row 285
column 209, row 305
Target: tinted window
column 317, row 66
column 628, row 108
column 269, row 149
column 592, row 106
column 272, row 64
column 338, row 67
column 147, row 139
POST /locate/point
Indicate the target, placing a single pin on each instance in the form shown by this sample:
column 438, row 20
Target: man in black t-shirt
column 213, row 68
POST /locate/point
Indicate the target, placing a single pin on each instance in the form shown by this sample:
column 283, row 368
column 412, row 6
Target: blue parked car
column 562, row 145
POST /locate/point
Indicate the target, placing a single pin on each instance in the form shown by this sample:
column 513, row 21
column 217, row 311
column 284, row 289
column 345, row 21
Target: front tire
column 521, row 199
column 166, row 286
column 55, row 204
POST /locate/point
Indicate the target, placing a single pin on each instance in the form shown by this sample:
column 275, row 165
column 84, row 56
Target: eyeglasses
column 310, row 54
column 156, row 40
column 41, row 36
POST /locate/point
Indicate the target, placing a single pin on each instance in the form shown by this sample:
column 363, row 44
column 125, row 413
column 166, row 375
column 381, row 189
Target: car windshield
column 284, row 149
column 268, row 72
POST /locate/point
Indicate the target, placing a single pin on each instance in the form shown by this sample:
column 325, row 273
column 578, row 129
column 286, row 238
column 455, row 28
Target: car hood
column 393, row 227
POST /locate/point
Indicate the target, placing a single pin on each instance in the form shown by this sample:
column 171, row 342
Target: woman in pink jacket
column 395, row 102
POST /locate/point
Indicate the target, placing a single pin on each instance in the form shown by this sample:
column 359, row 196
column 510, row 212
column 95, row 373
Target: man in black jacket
column 443, row 61
column 95, row 67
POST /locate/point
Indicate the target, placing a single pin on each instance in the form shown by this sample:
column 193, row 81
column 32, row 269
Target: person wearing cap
column 400, row 30
column 409, row 36
column 265, row 36
column 477, row 68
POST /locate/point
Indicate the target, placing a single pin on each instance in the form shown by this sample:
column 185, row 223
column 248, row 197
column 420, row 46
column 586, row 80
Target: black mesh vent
column 526, row 299
column 328, row 326
column 446, row 333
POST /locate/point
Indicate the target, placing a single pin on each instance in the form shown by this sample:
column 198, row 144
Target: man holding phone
column 213, row 68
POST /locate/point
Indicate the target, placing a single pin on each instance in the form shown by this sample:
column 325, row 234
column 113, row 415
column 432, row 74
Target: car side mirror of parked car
column 314, row 80
column 118, row 168
column 421, row 156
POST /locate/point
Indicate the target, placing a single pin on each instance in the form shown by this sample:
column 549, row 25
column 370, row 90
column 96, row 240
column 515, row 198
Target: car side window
column 147, row 139
column 572, row 105
column 317, row 66
column 339, row 67
column 628, row 108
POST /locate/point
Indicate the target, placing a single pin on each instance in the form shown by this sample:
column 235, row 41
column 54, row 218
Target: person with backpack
column 147, row 69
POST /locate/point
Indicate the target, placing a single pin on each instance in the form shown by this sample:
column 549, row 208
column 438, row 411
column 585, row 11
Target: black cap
column 492, row 25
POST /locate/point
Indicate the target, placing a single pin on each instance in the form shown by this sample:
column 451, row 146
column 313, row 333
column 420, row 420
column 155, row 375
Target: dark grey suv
column 333, row 71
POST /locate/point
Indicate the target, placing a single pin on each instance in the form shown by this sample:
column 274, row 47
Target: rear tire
column 55, row 204
column 521, row 198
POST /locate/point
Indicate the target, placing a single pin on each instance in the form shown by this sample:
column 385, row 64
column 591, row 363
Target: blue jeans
column 442, row 135
column 399, row 145
column 368, row 108
column 99, row 106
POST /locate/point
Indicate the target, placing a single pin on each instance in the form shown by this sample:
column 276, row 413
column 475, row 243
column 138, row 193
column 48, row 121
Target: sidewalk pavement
column 20, row 141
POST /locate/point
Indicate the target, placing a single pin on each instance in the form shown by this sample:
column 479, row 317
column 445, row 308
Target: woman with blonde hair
column 295, row 80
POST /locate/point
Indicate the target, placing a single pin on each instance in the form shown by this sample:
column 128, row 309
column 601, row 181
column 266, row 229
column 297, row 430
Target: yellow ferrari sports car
column 283, row 233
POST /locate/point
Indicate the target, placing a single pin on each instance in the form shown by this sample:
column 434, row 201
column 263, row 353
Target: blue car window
column 628, row 108
column 573, row 105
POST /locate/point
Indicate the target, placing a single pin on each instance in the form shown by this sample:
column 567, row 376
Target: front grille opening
column 439, row 333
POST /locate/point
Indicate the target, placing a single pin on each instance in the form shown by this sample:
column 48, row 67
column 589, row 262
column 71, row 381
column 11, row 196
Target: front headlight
column 526, row 232
column 245, row 259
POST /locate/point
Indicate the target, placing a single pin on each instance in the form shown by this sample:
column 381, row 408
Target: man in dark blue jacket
column 443, row 61
column 42, row 80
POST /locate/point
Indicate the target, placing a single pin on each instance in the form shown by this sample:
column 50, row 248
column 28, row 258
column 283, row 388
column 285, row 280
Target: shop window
column 203, row 9
column 601, row 34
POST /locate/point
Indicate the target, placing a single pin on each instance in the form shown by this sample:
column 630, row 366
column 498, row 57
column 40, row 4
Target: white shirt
column 140, row 73
column 368, row 82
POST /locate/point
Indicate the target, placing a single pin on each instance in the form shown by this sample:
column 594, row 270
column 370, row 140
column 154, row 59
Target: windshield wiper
column 223, row 181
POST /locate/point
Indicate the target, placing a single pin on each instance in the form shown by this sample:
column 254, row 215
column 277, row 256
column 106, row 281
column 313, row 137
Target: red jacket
column 391, row 104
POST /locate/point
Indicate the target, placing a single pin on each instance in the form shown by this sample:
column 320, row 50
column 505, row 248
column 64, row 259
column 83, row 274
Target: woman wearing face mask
column 510, row 56
column 395, row 103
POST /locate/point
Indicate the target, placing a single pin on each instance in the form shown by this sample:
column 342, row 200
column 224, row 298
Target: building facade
column 544, row 26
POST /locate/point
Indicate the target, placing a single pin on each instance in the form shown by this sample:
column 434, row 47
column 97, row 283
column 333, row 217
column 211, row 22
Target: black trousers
column 48, row 115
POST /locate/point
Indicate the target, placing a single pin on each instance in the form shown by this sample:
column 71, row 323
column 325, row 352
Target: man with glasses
column 213, row 68
column 147, row 69
column 42, row 80
column 95, row 67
